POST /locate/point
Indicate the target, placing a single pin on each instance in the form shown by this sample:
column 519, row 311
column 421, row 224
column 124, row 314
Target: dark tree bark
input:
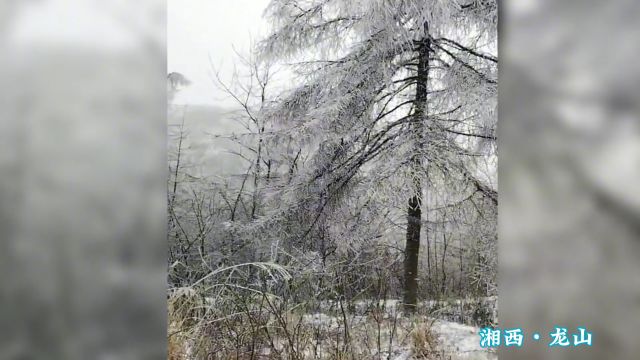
column 414, row 209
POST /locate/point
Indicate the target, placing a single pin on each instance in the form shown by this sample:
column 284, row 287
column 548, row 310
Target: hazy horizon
column 198, row 36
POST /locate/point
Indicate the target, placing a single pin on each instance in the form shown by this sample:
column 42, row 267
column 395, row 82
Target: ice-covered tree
column 396, row 97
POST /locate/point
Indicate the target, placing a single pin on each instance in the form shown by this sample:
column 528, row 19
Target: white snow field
column 454, row 341
column 461, row 341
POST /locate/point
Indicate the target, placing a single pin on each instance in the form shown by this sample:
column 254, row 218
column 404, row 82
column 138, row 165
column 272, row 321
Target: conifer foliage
column 394, row 104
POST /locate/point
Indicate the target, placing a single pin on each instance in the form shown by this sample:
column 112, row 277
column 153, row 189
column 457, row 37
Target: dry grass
column 185, row 311
column 198, row 330
column 424, row 341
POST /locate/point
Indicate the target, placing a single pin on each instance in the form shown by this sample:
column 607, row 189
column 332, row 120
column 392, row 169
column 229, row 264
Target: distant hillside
column 205, row 155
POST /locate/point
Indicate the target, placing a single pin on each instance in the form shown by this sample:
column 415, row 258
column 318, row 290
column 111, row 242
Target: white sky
column 197, row 29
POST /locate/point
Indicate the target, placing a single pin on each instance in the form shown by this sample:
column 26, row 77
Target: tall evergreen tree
column 397, row 95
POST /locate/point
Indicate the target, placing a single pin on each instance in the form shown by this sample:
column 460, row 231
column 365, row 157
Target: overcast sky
column 199, row 28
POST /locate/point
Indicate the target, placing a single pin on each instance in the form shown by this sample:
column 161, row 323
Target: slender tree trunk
column 256, row 178
column 460, row 255
column 414, row 209
column 445, row 244
column 428, row 241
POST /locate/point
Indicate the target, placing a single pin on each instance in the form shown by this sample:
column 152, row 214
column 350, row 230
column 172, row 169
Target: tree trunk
column 414, row 209
column 412, row 250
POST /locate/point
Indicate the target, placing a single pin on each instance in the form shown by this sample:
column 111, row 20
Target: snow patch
column 461, row 341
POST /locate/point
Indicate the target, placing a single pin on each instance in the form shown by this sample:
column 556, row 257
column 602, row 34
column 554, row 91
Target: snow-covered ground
column 455, row 341
column 473, row 311
column 461, row 341
column 373, row 330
